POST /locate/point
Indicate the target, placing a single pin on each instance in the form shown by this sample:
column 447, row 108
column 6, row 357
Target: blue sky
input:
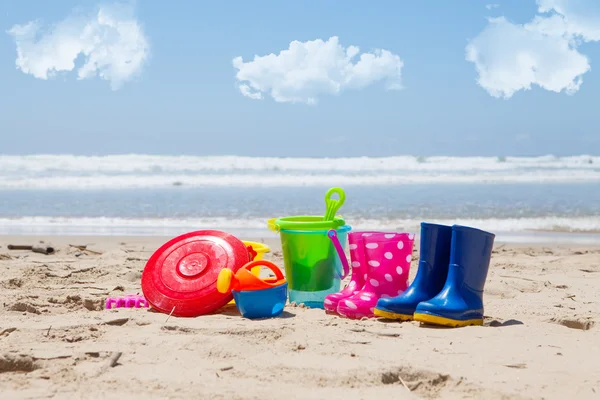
column 173, row 87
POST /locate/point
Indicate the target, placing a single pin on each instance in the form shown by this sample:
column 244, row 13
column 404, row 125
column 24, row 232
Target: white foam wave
column 171, row 226
column 163, row 181
column 137, row 163
column 144, row 171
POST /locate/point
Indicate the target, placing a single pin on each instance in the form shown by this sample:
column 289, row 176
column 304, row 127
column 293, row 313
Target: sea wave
column 148, row 171
column 153, row 164
column 258, row 226
column 163, row 181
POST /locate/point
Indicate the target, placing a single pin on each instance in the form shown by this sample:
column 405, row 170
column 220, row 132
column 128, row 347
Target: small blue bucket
column 266, row 303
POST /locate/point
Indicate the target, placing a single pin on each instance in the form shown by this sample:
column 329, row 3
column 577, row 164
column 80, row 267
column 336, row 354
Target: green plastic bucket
column 312, row 266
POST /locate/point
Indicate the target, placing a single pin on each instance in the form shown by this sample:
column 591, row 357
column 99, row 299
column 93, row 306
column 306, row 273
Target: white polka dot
column 374, row 263
column 371, row 245
column 372, row 309
column 352, row 285
column 356, row 291
column 350, row 304
column 365, row 298
column 388, row 255
column 409, row 258
column 353, row 246
column 406, row 283
column 400, row 291
column 327, row 301
column 389, row 235
column 411, row 236
column 385, row 296
column 388, row 277
column 374, row 282
column 399, row 270
column 400, row 245
column 366, row 234
column 355, row 264
column 365, row 277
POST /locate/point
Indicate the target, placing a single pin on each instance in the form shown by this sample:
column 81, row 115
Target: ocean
column 523, row 198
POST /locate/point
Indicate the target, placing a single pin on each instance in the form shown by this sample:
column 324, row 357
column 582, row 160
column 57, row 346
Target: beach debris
column 356, row 342
column 117, row 322
column 583, row 324
column 589, row 271
column 114, row 359
column 17, row 363
column 5, row 257
column 171, row 313
column 92, row 305
column 516, row 366
column 24, row 307
column 36, row 248
column 84, row 249
column 7, row 331
column 383, row 334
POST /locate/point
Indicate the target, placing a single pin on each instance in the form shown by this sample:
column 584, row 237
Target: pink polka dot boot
column 388, row 257
column 357, row 279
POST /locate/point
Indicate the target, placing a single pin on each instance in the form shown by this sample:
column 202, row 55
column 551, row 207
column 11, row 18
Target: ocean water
column 167, row 195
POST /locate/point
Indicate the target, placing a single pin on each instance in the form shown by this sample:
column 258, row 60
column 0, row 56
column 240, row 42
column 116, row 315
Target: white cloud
column 492, row 6
column 307, row 70
column 578, row 18
column 509, row 57
column 111, row 43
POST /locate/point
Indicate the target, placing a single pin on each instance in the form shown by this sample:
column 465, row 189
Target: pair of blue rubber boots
column 448, row 287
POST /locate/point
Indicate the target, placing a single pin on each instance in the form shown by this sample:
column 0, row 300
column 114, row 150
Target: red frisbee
column 181, row 276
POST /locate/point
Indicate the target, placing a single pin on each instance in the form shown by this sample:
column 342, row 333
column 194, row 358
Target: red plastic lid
column 181, row 276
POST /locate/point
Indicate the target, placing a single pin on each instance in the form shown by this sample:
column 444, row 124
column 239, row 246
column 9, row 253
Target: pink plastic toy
column 387, row 257
column 128, row 301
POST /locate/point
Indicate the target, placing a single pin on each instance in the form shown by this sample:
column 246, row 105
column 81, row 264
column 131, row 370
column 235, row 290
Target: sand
column 541, row 337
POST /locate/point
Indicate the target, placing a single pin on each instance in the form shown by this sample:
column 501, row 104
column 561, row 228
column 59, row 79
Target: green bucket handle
column 332, row 205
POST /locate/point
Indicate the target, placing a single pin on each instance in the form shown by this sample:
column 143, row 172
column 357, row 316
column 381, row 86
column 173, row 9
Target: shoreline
column 515, row 238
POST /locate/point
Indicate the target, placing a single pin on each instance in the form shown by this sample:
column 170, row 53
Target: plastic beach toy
column 257, row 251
column 128, row 301
column 180, row 278
column 312, row 267
column 255, row 297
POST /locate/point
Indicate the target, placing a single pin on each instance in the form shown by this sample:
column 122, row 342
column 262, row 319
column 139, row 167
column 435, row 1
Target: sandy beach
column 541, row 337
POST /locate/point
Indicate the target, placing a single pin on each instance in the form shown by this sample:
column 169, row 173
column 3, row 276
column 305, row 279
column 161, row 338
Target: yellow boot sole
column 454, row 323
column 391, row 315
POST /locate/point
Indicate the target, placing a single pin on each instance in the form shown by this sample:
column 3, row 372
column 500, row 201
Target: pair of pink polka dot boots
column 380, row 267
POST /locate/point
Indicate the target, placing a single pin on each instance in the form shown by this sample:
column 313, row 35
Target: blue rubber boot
column 431, row 274
column 460, row 303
